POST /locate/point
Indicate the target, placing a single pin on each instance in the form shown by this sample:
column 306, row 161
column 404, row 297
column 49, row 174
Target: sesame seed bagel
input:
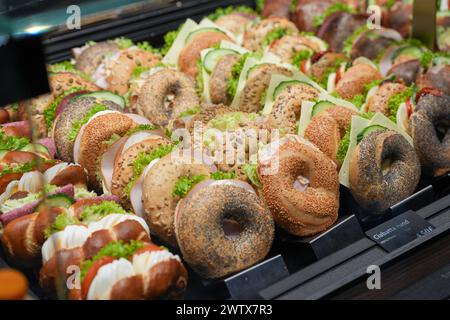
column 75, row 110
column 287, row 46
column 257, row 83
column 98, row 130
column 159, row 203
column 384, row 169
column 432, row 113
column 327, row 129
column 202, row 235
column 190, row 54
column 165, row 95
column 122, row 68
column 286, row 108
column 91, row 57
column 354, row 80
column 255, row 34
column 300, row 186
column 379, row 101
column 218, row 83
column 124, row 168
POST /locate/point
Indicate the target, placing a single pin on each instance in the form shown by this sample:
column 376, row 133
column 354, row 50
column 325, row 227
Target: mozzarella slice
column 114, row 219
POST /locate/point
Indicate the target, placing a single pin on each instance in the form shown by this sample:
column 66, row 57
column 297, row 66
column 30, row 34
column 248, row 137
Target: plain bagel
column 300, row 186
column 384, row 169
column 223, row 227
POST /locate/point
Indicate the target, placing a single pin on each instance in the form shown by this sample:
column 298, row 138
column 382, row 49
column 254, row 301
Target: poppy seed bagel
column 300, row 185
column 207, row 246
column 165, row 95
column 75, row 110
column 124, row 166
column 255, row 34
column 327, row 129
column 122, row 68
column 187, row 60
column 159, row 203
column 257, row 83
column 379, row 101
column 354, row 80
column 218, row 82
column 89, row 60
column 286, row 109
column 384, row 169
column 92, row 145
column 433, row 147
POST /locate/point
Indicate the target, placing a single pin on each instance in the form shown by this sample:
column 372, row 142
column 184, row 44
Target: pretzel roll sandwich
column 222, row 227
column 77, row 112
column 384, row 169
column 429, row 130
column 260, row 34
column 258, row 80
column 74, row 238
column 94, row 137
column 165, row 95
column 138, row 151
column 300, row 186
column 287, row 105
column 197, row 41
column 64, row 81
column 131, row 271
column 164, row 185
column 328, row 127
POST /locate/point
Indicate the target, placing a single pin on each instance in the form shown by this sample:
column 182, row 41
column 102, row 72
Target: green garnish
column 235, row 73
column 185, row 184
column 301, row 56
column 143, row 159
column 50, row 111
column 67, row 66
column 97, row 211
column 146, row 46
column 293, row 6
column 116, row 249
column 123, row 43
column 330, row 70
column 138, row 71
column 200, row 80
column 343, row 145
column 76, row 126
column 18, row 168
column 275, row 34
column 367, row 115
column 169, row 39
column 61, row 222
column 11, row 143
column 251, row 171
column 141, row 127
column 426, row 60
column 14, row 106
column 396, row 100
column 337, row 7
column 358, row 100
column 348, row 43
column 221, row 175
column 227, row 121
column 390, row 3
column 229, row 10
column 371, row 85
column 189, row 112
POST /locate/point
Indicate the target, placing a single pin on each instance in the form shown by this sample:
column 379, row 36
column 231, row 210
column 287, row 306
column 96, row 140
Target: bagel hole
column 441, row 128
column 168, row 103
column 386, row 165
column 231, row 227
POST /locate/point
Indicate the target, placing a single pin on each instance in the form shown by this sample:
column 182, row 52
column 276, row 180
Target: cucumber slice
column 321, row 106
column 368, row 130
column 107, row 96
column 411, row 51
column 441, row 61
column 56, row 200
column 283, row 85
column 196, row 32
column 213, row 56
column 36, row 147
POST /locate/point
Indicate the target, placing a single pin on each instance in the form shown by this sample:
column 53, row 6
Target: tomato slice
column 428, row 90
column 303, row 66
column 408, row 107
column 317, row 56
column 148, row 247
column 92, row 272
column 338, row 76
